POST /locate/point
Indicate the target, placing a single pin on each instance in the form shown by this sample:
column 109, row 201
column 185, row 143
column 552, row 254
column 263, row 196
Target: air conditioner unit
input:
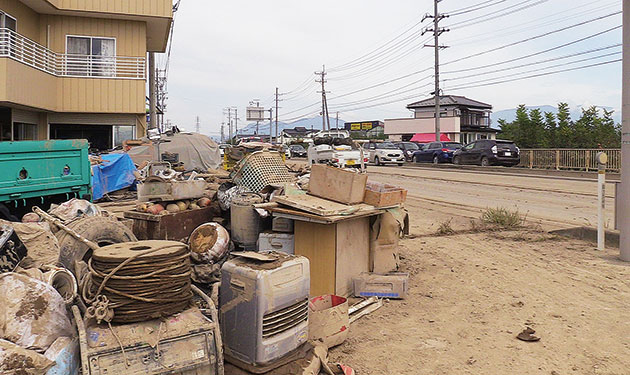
column 263, row 308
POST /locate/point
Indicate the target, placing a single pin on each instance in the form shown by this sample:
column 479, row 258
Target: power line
column 476, row 7
column 535, row 53
column 486, row 17
column 491, row 83
column 532, row 38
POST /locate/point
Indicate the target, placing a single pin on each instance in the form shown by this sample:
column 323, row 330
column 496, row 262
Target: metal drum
column 245, row 222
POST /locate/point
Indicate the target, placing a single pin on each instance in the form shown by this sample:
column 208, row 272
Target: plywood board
column 305, row 216
column 316, row 205
column 317, row 242
column 337, row 184
column 353, row 253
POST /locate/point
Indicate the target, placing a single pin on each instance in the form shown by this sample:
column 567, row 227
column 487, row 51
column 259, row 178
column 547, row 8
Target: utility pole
column 197, row 125
column 236, row 122
column 270, row 124
column 152, row 92
column 437, row 31
column 277, row 99
column 230, row 124
column 624, row 196
column 222, row 131
column 322, row 80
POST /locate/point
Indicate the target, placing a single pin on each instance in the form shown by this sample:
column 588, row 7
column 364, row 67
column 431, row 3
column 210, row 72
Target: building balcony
column 28, row 52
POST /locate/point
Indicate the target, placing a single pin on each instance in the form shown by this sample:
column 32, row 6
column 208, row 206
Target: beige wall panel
column 158, row 8
column 27, row 86
column 130, row 35
column 27, row 19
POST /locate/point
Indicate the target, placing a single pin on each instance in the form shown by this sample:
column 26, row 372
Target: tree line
column 533, row 129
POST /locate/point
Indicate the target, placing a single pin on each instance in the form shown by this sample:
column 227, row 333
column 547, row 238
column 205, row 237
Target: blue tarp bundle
column 115, row 173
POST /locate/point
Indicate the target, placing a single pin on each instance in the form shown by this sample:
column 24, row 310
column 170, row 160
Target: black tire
column 485, row 162
column 376, row 161
column 436, row 160
column 456, row 160
column 98, row 229
column 400, row 164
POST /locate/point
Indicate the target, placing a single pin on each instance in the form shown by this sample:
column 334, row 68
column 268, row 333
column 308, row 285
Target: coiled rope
column 140, row 281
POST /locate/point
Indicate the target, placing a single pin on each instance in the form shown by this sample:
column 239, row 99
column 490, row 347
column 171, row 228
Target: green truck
column 38, row 173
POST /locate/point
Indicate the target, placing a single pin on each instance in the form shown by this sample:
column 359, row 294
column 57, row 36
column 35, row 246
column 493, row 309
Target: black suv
column 487, row 152
column 408, row 148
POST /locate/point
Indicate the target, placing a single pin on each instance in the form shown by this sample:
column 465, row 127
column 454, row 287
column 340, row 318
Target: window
column 435, row 145
column 24, row 132
column 89, row 56
column 7, row 21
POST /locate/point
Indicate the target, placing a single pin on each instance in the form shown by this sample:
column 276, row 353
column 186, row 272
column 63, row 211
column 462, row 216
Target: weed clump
column 445, row 228
column 502, row 217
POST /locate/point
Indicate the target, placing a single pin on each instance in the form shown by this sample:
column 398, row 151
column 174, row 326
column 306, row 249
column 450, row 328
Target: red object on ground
column 428, row 137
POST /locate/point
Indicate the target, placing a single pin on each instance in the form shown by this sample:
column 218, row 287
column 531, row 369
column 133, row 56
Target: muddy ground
column 472, row 293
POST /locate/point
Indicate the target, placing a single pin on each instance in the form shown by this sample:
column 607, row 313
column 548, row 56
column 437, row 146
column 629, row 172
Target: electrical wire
column 487, row 17
column 532, row 38
column 476, row 7
column 491, row 83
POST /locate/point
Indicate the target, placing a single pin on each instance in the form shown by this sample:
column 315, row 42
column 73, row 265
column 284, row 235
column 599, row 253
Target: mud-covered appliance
column 263, row 307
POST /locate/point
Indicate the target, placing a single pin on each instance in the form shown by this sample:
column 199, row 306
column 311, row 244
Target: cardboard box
column 328, row 319
column 384, row 195
column 384, row 258
column 337, row 184
column 393, row 285
column 282, row 224
column 276, row 242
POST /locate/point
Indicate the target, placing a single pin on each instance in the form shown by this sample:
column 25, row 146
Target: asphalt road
column 461, row 195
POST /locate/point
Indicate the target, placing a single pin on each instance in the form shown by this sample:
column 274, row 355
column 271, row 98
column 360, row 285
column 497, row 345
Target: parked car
column 408, row 148
column 436, row 152
column 384, row 153
column 297, row 151
column 339, row 152
column 487, row 152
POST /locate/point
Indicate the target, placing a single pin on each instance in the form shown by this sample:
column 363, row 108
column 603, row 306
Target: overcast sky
column 228, row 53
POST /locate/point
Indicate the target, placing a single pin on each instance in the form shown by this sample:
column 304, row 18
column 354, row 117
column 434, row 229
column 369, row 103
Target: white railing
column 26, row 51
column 569, row 159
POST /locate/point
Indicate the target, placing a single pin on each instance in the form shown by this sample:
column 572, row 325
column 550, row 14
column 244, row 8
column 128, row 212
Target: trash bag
column 19, row 361
column 33, row 314
column 75, row 208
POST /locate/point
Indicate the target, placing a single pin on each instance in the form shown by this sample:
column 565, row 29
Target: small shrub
column 445, row 228
column 502, row 217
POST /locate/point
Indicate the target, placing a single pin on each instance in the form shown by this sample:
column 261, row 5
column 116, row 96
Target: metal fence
column 26, row 51
column 569, row 159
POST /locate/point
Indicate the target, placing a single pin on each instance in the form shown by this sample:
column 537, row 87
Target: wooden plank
column 316, row 205
column 353, row 253
column 305, row 216
column 317, row 242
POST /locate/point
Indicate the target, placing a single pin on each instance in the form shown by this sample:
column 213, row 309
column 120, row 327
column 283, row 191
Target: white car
column 384, row 153
column 342, row 156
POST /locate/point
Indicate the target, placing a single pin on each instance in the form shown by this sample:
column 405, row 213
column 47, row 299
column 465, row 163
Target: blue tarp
column 115, row 173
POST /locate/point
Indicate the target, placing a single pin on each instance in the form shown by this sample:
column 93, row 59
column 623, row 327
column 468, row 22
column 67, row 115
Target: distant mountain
column 509, row 115
column 309, row 123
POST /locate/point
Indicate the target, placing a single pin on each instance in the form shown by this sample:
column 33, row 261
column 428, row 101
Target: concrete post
column 624, row 214
column 602, row 159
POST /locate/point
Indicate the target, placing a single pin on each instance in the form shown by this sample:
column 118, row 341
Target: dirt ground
column 470, row 294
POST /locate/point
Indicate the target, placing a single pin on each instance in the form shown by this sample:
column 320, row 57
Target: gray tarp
column 196, row 151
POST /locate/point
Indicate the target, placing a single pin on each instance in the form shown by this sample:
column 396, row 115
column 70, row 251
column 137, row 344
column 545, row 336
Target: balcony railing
column 28, row 52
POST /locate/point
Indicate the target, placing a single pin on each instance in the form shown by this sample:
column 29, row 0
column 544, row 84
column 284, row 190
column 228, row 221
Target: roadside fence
column 569, row 159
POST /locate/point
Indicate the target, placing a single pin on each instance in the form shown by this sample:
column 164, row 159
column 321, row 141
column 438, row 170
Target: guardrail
column 569, row 159
column 28, row 52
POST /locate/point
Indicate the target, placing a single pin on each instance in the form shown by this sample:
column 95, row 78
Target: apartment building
column 78, row 68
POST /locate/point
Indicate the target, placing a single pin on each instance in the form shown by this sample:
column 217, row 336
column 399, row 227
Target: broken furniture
column 337, row 246
column 337, row 184
column 263, row 308
column 173, row 227
column 384, row 195
column 284, row 242
column 156, row 188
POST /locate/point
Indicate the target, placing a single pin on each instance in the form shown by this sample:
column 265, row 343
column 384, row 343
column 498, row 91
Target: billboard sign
column 255, row 114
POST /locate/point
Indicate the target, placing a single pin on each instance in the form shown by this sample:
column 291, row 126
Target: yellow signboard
column 366, row 126
column 355, row 126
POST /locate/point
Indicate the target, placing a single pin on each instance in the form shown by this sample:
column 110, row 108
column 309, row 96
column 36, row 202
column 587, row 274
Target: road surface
column 442, row 194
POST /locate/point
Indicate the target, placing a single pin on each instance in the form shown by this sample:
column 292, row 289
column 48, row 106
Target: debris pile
column 279, row 249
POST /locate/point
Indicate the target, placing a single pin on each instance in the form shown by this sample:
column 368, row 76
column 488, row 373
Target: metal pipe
column 624, row 214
